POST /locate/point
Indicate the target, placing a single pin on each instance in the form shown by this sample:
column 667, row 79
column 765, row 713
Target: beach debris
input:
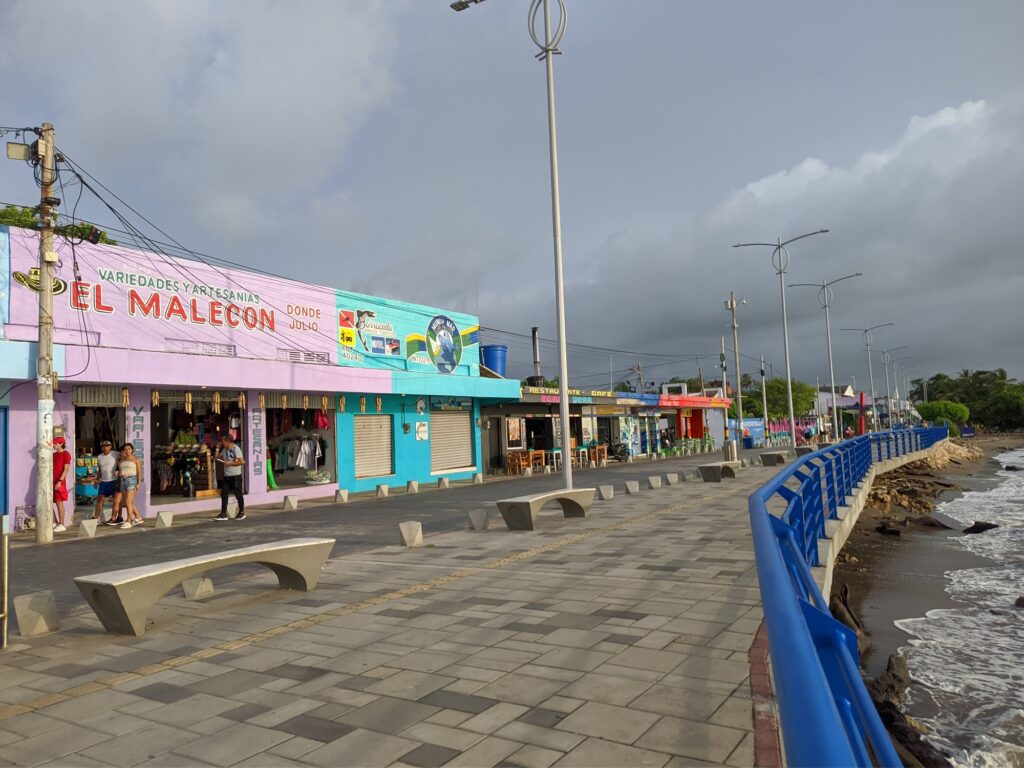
column 1012, row 468
column 980, row 527
column 842, row 611
column 1020, row 602
column 926, row 522
column 887, row 692
column 886, row 528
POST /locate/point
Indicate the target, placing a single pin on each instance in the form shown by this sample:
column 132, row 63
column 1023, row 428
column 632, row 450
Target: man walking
column 106, row 486
column 231, row 458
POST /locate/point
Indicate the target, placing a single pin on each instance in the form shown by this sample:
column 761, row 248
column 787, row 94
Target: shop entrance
column 301, row 444
column 99, row 416
column 187, row 425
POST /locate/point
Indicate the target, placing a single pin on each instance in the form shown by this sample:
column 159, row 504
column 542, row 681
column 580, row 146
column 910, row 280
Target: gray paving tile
column 139, row 745
column 690, row 739
column 494, row 718
column 296, row 672
column 316, row 728
column 244, row 712
column 573, row 658
column 714, row 669
column 545, row 718
column 362, row 748
column 388, row 715
column 232, row 745
column 429, row 756
column 547, row 738
column 430, row 733
column 409, row 684
column 44, row 747
column 232, row 683
column 460, row 701
column 680, row 702
column 485, row 754
column 608, row 722
column 531, row 756
column 608, row 689
column 163, row 692
column 596, row 753
column 520, row 689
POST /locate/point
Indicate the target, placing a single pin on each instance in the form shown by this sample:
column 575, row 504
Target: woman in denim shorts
column 129, row 470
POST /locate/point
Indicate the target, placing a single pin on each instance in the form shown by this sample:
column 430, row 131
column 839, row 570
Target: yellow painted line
column 111, row 681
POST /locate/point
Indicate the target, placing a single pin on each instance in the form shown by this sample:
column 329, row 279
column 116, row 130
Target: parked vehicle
column 617, row 451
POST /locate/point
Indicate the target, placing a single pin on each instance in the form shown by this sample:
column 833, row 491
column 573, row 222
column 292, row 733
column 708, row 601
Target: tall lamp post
column 886, row 359
column 764, row 406
column 731, row 305
column 548, row 45
column 901, row 381
column 780, row 261
column 871, row 370
column 825, row 296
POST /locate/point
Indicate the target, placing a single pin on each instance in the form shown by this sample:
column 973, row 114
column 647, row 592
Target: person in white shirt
column 106, row 485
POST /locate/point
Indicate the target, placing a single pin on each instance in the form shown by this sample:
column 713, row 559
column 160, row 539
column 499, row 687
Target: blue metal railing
column 828, row 718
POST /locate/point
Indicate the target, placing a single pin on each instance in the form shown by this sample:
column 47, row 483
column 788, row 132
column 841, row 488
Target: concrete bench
column 713, row 473
column 520, row 513
column 773, row 458
column 122, row 599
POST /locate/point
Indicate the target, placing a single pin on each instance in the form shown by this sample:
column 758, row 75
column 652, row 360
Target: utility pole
column 700, row 374
column 764, row 405
column 728, row 450
column 731, row 306
column 44, row 363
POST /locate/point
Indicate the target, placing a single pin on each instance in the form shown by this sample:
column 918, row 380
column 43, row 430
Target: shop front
column 320, row 388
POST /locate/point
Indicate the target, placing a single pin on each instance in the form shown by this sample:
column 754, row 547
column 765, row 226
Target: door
column 451, row 440
column 373, row 447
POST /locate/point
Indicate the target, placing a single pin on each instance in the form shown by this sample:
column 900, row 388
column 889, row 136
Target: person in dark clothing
column 231, row 458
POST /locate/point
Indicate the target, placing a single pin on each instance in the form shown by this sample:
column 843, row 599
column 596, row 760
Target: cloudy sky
column 400, row 149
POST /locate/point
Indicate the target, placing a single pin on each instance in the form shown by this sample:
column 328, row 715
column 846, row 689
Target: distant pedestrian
column 106, row 487
column 62, row 463
column 231, row 457
column 129, row 470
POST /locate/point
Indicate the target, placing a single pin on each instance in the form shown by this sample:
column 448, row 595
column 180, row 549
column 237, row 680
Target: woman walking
column 129, row 470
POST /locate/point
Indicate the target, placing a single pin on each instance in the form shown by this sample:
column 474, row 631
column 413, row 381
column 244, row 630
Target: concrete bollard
column 382, row 491
column 412, row 533
column 547, row 469
column 443, row 482
column 654, row 457
column 479, row 519
column 412, row 487
column 36, row 613
column 478, row 479
column 528, row 472
column 290, row 502
column 87, row 529
column 232, row 509
column 632, row 487
column 592, row 464
column 604, row 463
column 341, row 496
column 164, row 519
column 629, row 459
column 671, row 478
column 654, row 481
column 197, row 588
column 606, row 492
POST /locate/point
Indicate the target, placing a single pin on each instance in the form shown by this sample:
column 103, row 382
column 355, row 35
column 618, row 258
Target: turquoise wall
column 411, row 456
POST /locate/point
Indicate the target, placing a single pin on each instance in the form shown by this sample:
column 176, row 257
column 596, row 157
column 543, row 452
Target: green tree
column 947, row 411
column 778, row 405
column 26, row 218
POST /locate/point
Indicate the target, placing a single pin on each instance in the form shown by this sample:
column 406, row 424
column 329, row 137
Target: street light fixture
column 825, row 296
column 886, row 359
column 730, row 306
column 548, row 45
column 780, row 261
column 896, row 371
column 871, row 371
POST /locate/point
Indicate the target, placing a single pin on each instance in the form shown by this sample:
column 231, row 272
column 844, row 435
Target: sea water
column 967, row 664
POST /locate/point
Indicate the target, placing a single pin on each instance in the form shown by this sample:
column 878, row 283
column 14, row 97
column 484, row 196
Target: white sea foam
column 970, row 661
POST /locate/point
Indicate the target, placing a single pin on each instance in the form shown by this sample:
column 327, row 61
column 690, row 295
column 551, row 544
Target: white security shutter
column 451, row 440
column 373, row 450
column 97, row 395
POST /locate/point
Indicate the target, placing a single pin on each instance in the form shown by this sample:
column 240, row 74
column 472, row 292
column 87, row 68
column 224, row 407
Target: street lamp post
column 731, row 305
column 901, row 380
column 871, row 370
column 764, row 405
column 825, row 296
column 548, row 45
column 886, row 359
column 780, row 261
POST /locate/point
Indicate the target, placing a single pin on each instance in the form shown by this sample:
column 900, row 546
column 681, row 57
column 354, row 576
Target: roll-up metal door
column 101, row 395
column 451, row 440
column 373, row 446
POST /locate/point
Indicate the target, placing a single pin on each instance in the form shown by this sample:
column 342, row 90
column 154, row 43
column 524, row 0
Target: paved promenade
column 622, row 639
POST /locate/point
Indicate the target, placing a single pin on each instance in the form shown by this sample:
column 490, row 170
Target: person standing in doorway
column 62, row 462
column 106, row 486
column 231, row 458
column 129, row 468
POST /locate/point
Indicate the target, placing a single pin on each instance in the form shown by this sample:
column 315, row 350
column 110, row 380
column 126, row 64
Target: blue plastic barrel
column 493, row 357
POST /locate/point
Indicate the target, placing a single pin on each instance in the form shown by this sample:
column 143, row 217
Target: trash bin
column 748, row 442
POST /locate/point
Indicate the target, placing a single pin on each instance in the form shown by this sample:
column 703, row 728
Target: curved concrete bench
column 773, row 458
column 713, row 473
column 520, row 513
column 122, row 599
